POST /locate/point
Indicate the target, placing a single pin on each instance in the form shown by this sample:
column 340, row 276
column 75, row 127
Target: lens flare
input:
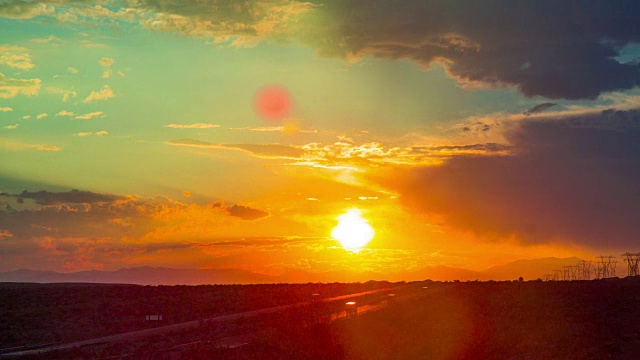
column 273, row 102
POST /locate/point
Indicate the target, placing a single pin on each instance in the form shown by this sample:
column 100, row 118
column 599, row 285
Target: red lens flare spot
column 272, row 102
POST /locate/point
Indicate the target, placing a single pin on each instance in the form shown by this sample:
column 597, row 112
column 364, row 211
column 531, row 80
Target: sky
column 238, row 133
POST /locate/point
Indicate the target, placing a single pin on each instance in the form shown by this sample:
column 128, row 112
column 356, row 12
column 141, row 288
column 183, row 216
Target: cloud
column 72, row 70
column 73, row 196
column 15, row 57
column 11, row 127
column 246, row 213
column 50, row 38
column 555, row 184
column 15, row 9
column 265, row 241
column 262, row 129
column 106, row 62
column 260, row 150
column 66, row 94
column 26, row 117
column 193, row 126
column 13, row 145
column 97, row 133
column 5, row 109
column 290, row 128
column 41, row 116
column 5, row 234
column 241, row 23
column 65, row 113
column 90, row 15
column 539, row 108
column 239, row 211
column 105, row 93
column 90, row 115
column 542, row 48
column 10, row 88
column 89, row 229
column 342, row 155
column 88, row 44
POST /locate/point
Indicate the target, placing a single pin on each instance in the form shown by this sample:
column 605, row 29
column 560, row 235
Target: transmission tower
column 575, row 272
column 632, row 263
column 607, row 266
column 566, row 273
column 585, row 269
column 612, row 267
column 578, row 271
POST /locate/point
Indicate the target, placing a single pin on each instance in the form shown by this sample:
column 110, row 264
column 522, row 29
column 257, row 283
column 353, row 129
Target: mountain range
column 528, row 269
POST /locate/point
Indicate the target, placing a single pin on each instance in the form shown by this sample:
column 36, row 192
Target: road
column 182, row 326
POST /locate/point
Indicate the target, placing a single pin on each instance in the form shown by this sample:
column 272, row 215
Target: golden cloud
column 105, row 93
column 16, row 57
column 10, row 88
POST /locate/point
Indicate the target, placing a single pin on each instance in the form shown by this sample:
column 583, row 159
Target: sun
column 353, row 231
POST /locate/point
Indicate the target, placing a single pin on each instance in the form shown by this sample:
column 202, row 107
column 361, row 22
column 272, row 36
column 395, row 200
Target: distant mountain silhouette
column 443, row 273
column 142, row 276
column 528, row 269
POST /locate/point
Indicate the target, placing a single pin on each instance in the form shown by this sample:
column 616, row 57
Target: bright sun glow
column 352, row 231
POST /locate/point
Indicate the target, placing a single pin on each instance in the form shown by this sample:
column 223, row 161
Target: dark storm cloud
column 246, row 213
column 539, row 108
column 44, row 197
column 574, row 179
column 555, row 49
column 487, row 147
column 242, row 212
column 549, row 48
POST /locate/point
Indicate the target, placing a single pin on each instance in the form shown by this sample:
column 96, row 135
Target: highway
column 132, row 335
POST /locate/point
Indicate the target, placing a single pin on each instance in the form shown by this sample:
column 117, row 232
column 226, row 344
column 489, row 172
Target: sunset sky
column 467, row 134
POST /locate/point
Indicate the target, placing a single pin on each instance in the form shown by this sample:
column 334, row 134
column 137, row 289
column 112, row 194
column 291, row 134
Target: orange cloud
column 193, row 126
column 347, row 155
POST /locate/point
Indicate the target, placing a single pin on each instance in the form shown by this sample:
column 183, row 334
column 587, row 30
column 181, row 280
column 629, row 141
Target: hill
column 529, row 269
column 141, row 276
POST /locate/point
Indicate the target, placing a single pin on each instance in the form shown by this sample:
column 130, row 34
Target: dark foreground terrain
column 597, row 319
column 32, row 314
